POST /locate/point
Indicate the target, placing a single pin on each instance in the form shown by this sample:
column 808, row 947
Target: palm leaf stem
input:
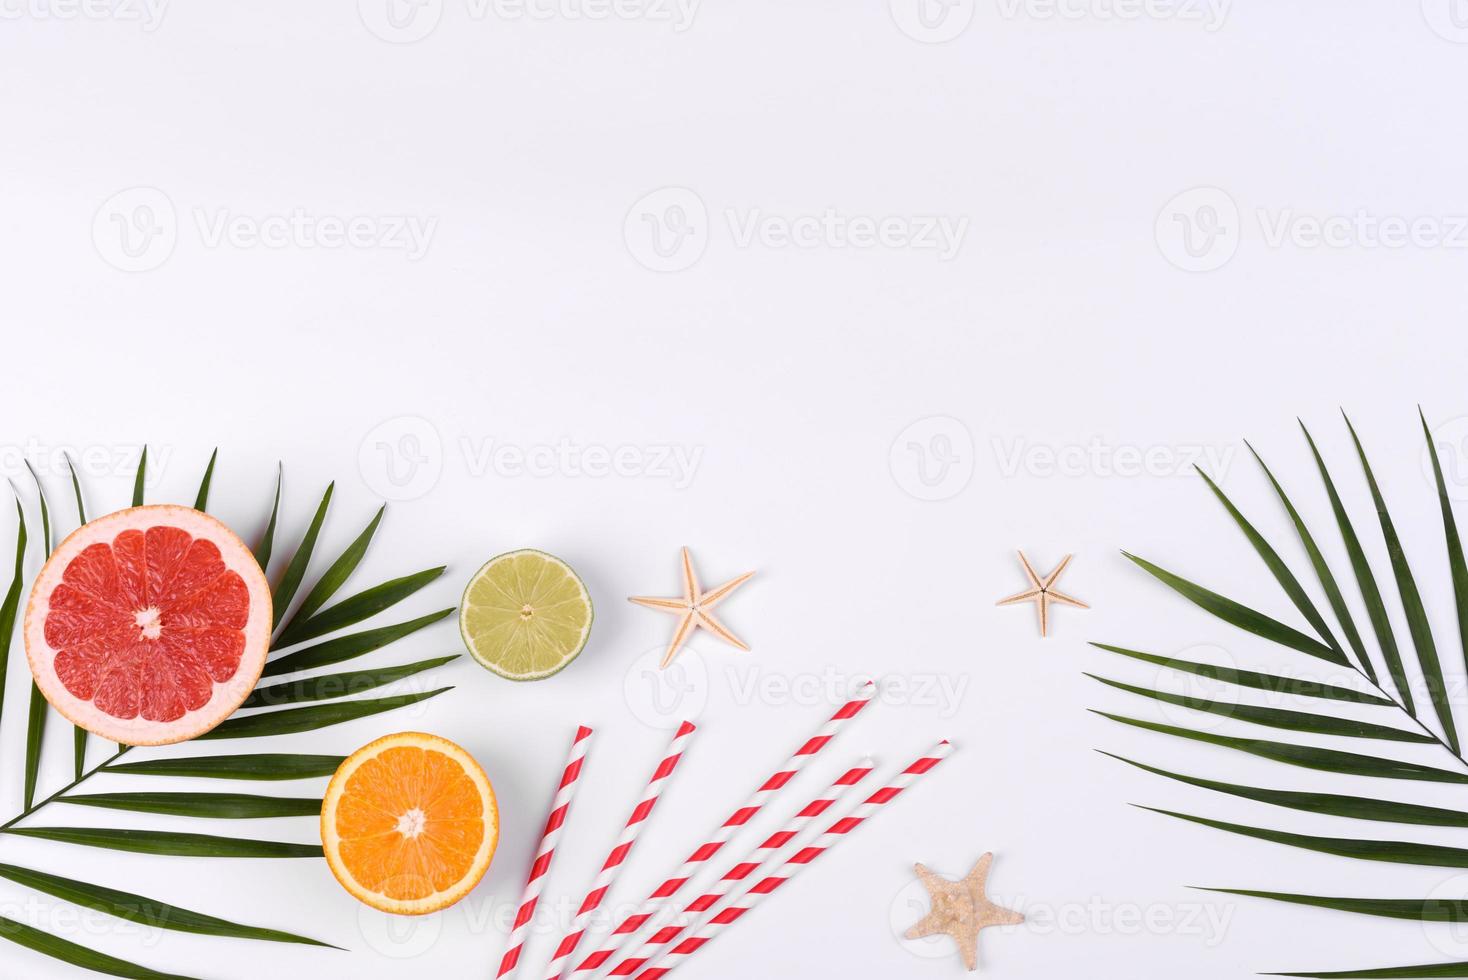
column 121, row 750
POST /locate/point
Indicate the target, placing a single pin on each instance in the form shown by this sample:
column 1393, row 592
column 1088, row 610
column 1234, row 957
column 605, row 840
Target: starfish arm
column 968, row 946
column 988, row 914
column 979, row 874
column 1066, row 600
column 1018, row 597
column 685, row 627
column 690, row 580
column 928, row 925
column 710, row 598
column 707, row 621
column 1050, row 579
column 653, row 602
column 1042, row 606
column 1030, row 572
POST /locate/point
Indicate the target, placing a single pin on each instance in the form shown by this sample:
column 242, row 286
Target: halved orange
column 409, row 823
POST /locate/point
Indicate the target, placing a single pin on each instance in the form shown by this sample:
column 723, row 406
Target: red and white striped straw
column 737, row 819
column 753, row 862
column 623, row 848
column 548, row 838
column 802, row 858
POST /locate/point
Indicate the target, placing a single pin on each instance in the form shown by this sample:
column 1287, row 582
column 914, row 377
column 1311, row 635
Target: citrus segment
column 149, row 625
column 525, row 615
column 409, row 823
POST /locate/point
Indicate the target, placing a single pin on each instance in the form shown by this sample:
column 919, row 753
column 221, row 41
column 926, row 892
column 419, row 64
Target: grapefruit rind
column 331, row 841
column 226, row 696
column 474, row 646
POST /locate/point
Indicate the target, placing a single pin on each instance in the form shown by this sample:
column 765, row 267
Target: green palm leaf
column 1273, row 683
column 291, row 720
column 216, row 806
column 1277, row 568
column 69, row 952
column 201, row 499
column 1416, row 909
column 1295, row 721
column 12, row 601
column 354, row 609
column 1307, row 756
column 267, row 540
column 336, row 650
column 78, row 733
column 148, row 911
column 341, row 685
column 313, row 619
column 1432, row 970
column 39, row 709
column 334, row 578
column 1365, row 580
column 165, row 842
column 1396, row 851
column 1417, row 623
column 1322, row 573
column 1242, row 616
column 1355, row 807
column 295, row 571
column 1456, row 564
column 269, row 766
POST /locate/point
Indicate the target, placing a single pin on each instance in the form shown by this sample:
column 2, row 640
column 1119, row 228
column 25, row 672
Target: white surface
column 798, row 377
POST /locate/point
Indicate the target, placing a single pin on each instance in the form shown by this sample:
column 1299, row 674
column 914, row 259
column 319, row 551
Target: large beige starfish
column 1042, row 592
column 960, row 909
column 693, row 609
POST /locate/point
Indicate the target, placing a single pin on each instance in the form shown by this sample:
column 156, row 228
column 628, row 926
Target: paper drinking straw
column 802, row 858
column 623, row 848
column 737, row 819
column 552, row 833
column 755, row 861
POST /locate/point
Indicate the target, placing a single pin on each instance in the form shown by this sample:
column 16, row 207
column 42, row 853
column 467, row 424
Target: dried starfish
column 693, row 609
column 960, row 909
column 1042, row 592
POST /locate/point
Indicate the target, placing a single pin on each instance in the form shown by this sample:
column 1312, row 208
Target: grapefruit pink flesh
column 149, row 625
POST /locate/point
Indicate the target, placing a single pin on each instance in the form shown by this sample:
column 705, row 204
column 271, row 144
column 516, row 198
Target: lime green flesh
column 525, row 615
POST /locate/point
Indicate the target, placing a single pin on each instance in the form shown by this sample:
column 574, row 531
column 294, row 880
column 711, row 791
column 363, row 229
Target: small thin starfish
column 1042, row 592
column 960, row 909
column 693, row 609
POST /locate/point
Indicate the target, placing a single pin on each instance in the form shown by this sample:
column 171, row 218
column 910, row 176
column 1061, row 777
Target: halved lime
column 525, row 615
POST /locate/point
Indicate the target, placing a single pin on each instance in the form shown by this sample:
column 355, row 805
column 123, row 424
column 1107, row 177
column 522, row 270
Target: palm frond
column 1332, row 700
column 300, row 702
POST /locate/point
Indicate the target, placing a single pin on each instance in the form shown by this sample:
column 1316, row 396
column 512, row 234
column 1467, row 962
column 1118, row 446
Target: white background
column 804, row 380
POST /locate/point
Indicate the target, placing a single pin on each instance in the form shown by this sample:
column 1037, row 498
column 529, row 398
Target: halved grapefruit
column 149, row 626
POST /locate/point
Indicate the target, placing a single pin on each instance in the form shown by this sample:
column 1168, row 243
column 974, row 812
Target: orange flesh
column 410, row 822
